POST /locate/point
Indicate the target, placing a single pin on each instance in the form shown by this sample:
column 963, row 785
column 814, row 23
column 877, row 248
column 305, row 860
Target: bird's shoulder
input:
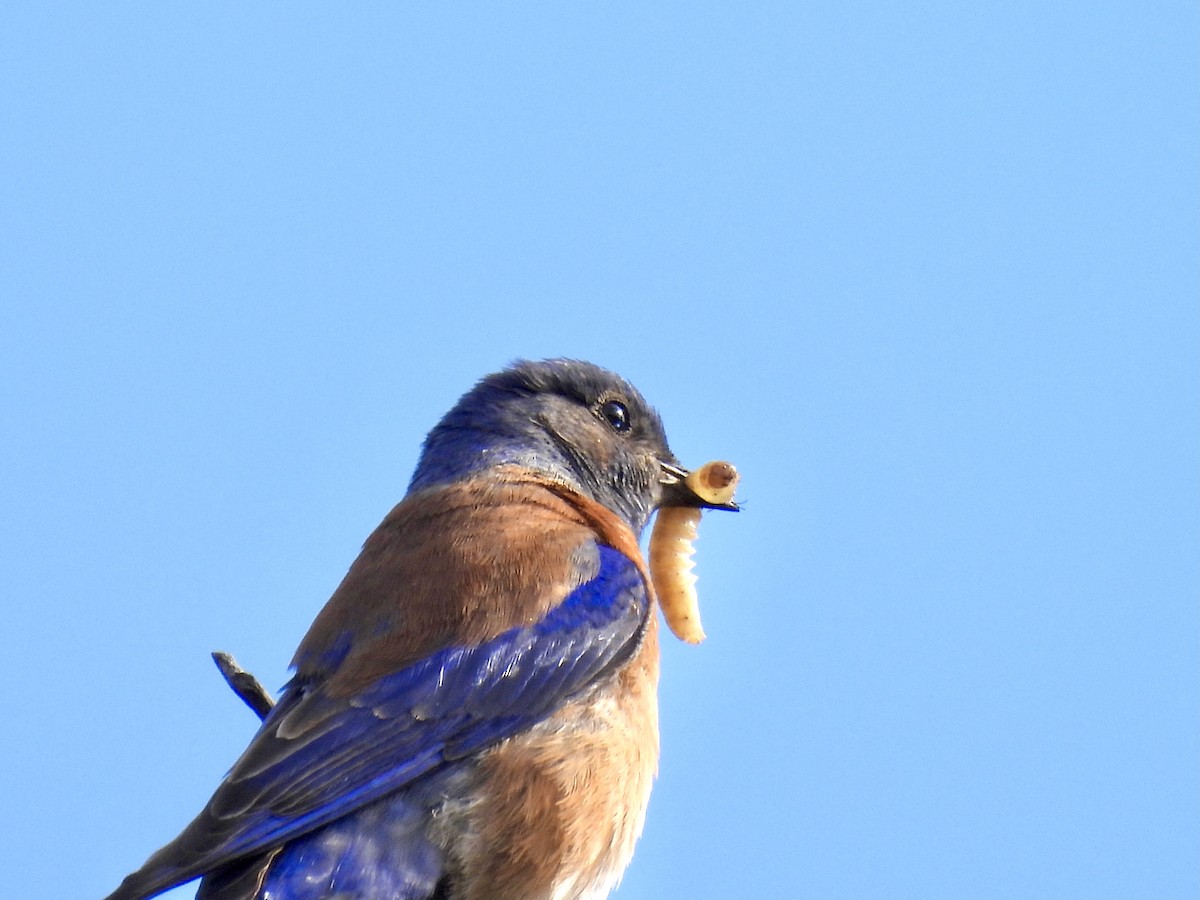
column 457, row 565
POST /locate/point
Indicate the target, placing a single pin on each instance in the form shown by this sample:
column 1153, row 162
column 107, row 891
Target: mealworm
column 671, row 550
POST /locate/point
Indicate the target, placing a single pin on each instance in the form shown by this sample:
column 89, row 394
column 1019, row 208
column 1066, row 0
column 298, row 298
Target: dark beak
column 676, row 492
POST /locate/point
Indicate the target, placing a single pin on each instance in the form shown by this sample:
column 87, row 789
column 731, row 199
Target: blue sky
column 928, row 273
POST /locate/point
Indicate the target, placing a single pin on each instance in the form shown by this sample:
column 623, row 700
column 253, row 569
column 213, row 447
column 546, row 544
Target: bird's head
column 568, row 420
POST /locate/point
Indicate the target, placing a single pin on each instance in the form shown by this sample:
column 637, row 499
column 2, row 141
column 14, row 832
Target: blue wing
column 318, row 758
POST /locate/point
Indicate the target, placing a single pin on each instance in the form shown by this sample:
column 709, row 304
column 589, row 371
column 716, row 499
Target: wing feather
column 319, row 757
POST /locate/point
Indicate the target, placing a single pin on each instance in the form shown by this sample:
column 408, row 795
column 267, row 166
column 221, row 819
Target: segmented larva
column 671, row 550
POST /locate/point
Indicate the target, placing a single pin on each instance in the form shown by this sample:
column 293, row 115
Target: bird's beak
column 677, row 492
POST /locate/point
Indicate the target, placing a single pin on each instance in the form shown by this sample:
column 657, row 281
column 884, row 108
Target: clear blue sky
column 929, row 273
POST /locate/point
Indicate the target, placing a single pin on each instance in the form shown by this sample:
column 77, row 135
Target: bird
column 473, row 714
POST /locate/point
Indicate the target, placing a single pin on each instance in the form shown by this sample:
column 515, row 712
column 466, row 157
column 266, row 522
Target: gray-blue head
column 570, row 420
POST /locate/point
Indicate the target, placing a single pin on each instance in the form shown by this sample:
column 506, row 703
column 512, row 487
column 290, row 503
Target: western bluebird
column 473, row 713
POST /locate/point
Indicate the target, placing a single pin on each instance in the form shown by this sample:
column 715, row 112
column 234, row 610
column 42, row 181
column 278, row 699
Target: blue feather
column 445, row 707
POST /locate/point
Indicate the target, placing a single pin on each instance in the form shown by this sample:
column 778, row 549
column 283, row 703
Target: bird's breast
column 553, row 814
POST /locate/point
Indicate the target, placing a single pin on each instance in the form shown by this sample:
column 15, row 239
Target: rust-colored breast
column 561, row 807
column 551, row 813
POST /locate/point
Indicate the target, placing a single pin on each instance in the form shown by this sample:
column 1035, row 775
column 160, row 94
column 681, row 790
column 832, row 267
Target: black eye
column 615, row 414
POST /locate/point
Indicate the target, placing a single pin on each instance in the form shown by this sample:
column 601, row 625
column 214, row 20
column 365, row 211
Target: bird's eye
column 616, row 414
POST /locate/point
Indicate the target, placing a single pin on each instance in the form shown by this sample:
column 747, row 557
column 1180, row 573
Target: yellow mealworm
column 671, row 550
column 714, row 481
